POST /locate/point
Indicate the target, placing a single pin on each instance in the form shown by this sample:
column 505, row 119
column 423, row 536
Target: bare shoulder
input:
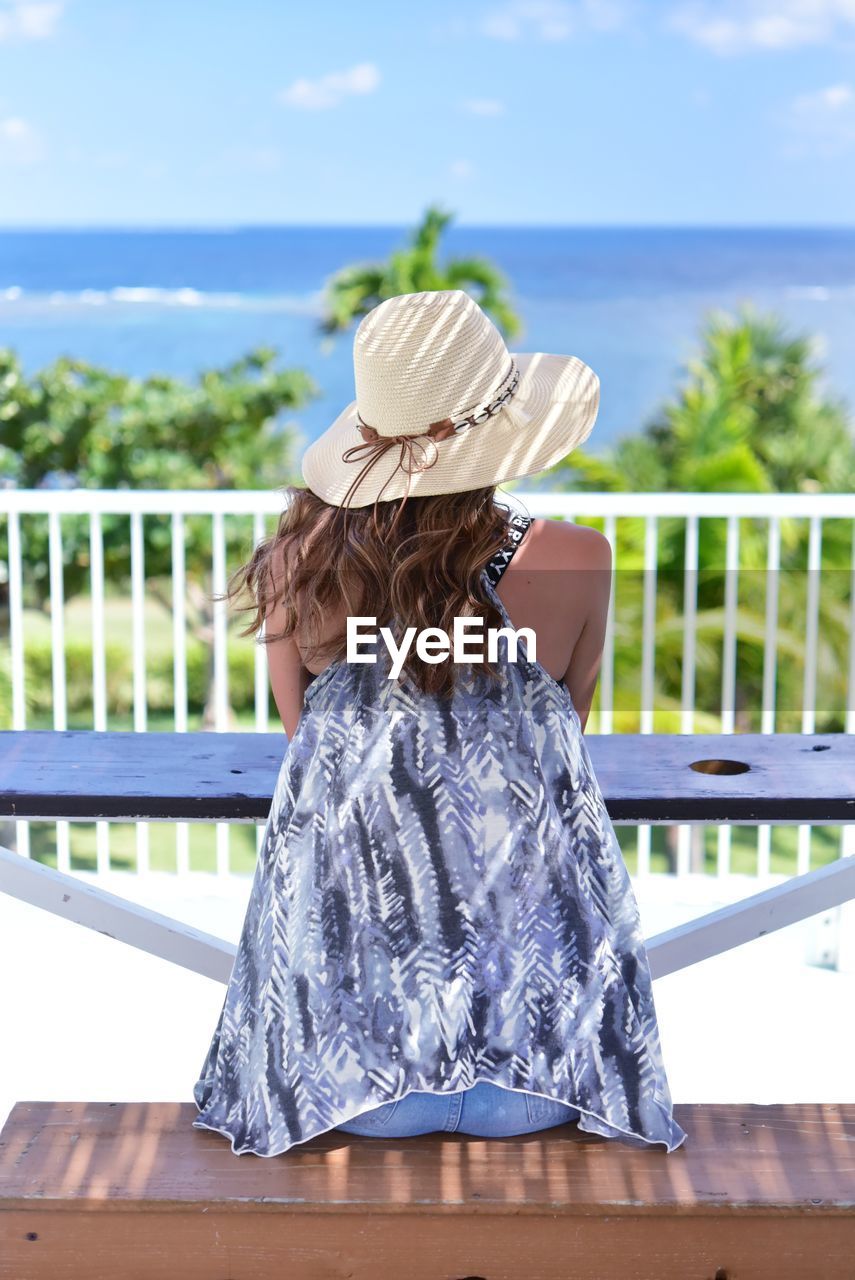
column 560, row 544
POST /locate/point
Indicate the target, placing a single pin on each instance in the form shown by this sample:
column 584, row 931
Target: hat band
column 507, row 388
column 375, row 446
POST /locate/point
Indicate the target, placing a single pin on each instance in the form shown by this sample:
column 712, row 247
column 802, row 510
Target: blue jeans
column 485, row 1110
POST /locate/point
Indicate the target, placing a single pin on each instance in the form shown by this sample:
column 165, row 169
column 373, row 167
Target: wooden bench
column 107, row 1191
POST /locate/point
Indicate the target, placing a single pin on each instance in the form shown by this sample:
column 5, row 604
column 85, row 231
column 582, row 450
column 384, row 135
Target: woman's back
column 557, row 583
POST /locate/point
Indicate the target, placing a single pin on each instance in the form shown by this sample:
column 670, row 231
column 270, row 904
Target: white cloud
column 484, row 107
column 13, row 128
column 546, row 19
column 29, row 19
column 822, row 122
column 20, row 144
column 552, row 20
column 331, row 89
column 834, row 98
column 738, row 26
column 460, row 169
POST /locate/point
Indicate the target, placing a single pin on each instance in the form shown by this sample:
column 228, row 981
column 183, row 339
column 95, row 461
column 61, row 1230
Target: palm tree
column 748, row 418
column 355, row 289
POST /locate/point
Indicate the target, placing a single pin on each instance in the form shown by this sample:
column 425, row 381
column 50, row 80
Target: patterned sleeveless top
column 439, row 899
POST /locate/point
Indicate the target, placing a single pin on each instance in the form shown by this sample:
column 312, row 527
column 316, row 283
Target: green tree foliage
column 90, row 427
column 73, row 424
column 750, row 416
column 79, row 425
column 354, row 290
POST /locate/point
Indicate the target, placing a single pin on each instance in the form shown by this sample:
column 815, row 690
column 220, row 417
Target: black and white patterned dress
column 440, row 898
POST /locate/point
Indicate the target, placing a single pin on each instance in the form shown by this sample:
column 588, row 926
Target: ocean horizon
column 629, row 301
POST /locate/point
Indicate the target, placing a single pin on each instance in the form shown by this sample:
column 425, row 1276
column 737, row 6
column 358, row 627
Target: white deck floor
column 86, row 1018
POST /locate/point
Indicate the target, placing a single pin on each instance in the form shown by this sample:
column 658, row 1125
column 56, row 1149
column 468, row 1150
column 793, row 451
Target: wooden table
column 209, row 777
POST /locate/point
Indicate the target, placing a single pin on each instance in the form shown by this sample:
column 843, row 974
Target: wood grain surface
column 780, row 1156
column 207, row 777
column 130, row 1190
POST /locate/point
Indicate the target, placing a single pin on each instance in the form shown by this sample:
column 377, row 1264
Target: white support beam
column 753, row 917
column 68, row 896
column 160, row 935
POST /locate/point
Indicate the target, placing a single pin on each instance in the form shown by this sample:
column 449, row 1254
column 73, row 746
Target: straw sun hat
column 442, row 406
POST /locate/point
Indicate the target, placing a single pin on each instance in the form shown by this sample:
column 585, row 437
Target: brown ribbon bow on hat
column 374, row 446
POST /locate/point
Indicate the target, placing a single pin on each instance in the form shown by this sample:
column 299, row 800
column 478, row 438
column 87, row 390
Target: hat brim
column 552, row 412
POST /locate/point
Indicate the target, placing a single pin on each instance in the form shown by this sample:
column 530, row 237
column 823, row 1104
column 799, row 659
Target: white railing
column 260, row 510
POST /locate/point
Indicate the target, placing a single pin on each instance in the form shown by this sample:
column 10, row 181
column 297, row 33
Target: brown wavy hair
column 413, row 564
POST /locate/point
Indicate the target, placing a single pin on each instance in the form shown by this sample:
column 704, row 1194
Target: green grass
column 118, row 616
column 163, row 721
column 162, row 846
column 825, row 847
column 783, row 854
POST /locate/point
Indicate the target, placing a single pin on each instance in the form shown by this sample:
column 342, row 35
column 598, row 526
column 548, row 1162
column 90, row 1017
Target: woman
column 441, row 932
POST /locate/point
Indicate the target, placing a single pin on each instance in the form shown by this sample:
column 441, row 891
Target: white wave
column 169, row 297
column 153, row 296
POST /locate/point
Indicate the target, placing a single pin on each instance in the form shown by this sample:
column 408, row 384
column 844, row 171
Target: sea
column 631, row 302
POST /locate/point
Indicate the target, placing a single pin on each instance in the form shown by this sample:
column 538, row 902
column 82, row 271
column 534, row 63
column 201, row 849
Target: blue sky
column 605, row 112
